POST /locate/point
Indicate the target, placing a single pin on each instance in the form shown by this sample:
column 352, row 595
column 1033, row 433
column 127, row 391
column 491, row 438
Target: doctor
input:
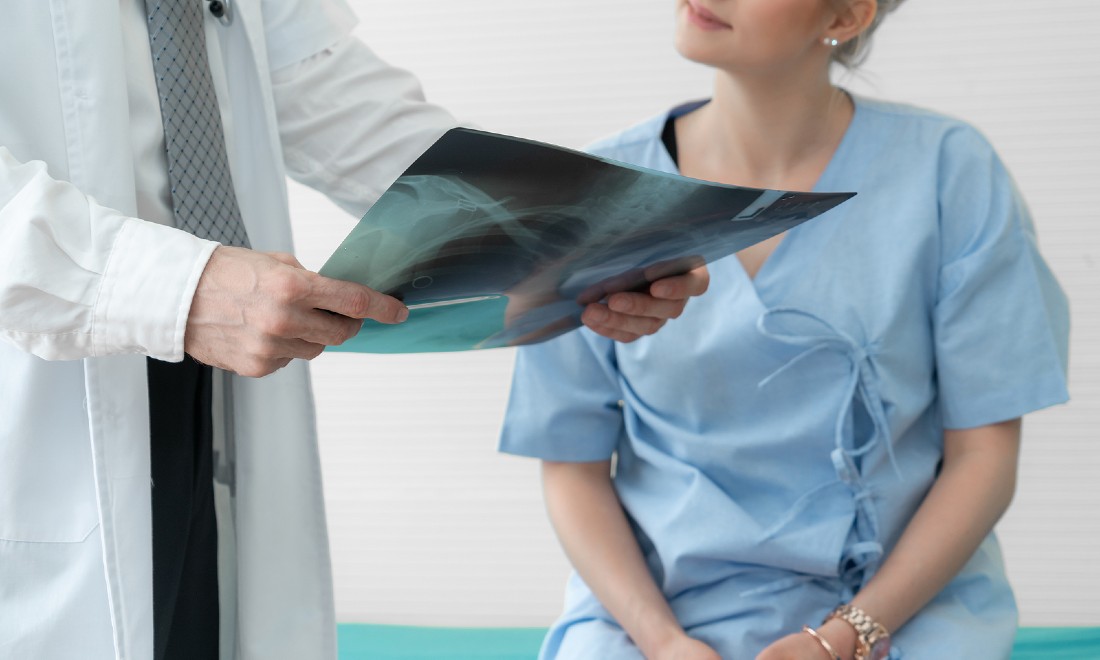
column 109, row 438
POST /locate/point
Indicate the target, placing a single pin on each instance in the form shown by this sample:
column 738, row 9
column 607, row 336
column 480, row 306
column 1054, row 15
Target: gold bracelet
column 822, row 641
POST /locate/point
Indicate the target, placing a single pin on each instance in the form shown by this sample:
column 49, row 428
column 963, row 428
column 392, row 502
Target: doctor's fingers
column 318, row 326
column 355, row 300
column 268, row 356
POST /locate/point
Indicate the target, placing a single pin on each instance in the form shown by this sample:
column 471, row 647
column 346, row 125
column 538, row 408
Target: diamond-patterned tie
column 203, row 200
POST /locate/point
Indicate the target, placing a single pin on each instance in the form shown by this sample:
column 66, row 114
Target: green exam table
column 379, row 642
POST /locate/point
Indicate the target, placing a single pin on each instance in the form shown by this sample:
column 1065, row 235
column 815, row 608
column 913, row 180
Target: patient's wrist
column 841, row 636
column 655, row 631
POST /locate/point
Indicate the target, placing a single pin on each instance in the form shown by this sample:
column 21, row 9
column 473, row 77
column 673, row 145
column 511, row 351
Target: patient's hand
column 627, row 316
column 686, row 648
column 802, row 646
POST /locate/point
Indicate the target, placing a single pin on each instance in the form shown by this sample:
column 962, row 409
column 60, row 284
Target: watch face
column 880, row 650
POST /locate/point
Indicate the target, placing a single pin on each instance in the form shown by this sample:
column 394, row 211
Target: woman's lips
column 704, row 19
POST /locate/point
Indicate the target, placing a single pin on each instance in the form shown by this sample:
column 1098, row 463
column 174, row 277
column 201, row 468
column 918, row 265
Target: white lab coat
column 87, row 290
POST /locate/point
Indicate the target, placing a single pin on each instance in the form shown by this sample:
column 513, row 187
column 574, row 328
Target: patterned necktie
column 203, row 200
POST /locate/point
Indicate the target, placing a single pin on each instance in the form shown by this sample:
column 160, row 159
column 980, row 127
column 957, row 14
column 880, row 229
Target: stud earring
column 830, row 42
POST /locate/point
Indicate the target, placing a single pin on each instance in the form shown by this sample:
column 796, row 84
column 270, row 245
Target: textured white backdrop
column 430, row 526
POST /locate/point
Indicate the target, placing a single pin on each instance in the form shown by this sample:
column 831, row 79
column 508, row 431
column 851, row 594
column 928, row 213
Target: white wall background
column 430, row 526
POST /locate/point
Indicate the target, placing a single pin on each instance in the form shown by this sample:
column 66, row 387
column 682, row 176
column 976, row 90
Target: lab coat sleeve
column 350, row 123
column 81, row 280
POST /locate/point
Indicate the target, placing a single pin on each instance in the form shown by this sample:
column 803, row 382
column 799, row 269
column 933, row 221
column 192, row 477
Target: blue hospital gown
column 774, row 441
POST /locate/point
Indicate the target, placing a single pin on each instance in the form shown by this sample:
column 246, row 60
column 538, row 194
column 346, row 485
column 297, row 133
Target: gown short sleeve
column 564, row 404
column 1001, row 322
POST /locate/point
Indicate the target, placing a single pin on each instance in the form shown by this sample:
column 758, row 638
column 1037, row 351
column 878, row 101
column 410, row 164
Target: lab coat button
column 217, row 8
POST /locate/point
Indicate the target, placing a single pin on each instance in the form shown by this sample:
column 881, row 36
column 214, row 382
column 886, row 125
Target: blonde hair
column 853, row 52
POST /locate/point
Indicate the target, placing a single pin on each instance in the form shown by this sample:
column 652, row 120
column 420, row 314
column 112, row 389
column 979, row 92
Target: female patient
column 809, row 463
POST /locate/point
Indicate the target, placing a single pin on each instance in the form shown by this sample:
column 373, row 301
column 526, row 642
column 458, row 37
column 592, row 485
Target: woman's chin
column 706, row 54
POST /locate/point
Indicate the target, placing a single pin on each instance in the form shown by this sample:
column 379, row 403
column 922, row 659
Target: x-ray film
column 498, row 241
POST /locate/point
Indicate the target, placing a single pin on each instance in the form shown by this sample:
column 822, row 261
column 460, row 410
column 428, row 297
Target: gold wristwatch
column 872, row 640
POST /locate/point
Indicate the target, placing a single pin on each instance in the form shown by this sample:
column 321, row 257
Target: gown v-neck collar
column 823, row 181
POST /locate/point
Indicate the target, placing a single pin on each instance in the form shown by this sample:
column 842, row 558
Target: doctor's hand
column 626, row 316
column 253, row 312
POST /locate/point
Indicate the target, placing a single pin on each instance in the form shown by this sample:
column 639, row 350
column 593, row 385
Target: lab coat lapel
column 92, row 78
column 91, row 75
column 118, row 416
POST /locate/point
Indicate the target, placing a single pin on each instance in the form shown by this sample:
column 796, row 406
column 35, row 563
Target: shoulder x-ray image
column 498, row 241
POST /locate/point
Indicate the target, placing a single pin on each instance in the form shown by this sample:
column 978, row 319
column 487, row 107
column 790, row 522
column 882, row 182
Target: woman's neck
column 770, row 133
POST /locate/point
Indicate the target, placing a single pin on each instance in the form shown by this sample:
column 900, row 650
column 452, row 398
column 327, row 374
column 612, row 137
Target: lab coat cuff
column 150, row 279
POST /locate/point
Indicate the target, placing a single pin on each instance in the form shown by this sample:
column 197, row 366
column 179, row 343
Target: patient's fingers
column 617, row 326
column 692, row 283
column 643, row 304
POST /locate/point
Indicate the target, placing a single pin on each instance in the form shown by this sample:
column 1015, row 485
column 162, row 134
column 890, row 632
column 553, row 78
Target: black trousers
column 185, row 536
